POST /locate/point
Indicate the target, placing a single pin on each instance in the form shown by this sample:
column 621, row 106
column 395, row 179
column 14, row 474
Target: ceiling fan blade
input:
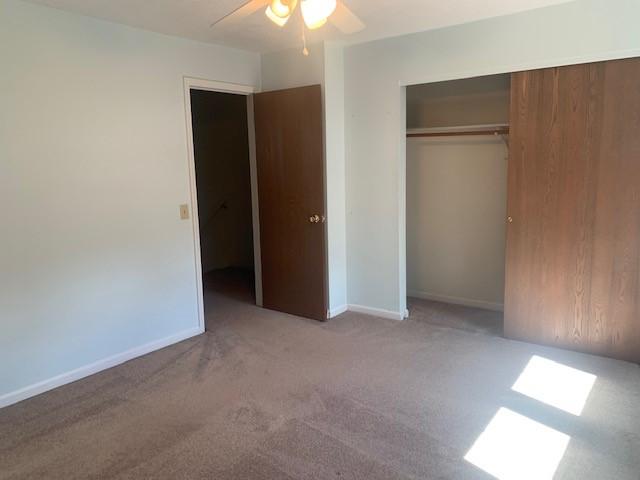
column 345, row 20
column 240, row 13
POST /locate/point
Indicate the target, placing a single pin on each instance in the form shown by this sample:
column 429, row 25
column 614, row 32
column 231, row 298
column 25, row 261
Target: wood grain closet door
column 291, row 191
column 573, row 241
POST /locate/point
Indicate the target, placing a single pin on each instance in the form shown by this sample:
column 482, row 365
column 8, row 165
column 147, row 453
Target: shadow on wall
column 221, row 150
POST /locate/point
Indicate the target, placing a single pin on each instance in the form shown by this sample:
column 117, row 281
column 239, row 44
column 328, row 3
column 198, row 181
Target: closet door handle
column 510, row 219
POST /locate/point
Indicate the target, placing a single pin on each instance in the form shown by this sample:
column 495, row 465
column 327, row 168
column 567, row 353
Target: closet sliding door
column 573, row 237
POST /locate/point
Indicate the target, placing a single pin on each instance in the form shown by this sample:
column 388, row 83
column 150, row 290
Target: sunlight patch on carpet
column 555, row 384
column 514, row 447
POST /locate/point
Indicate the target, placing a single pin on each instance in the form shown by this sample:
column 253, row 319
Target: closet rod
column 461, row 133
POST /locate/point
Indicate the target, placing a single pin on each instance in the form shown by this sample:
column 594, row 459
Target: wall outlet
column 184, row 212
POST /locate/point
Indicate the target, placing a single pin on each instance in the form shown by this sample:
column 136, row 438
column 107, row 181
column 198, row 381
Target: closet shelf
column 460, row 131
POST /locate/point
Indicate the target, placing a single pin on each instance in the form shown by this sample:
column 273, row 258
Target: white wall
column 456, row 210
column 336, row 176
column 290, row 68
column 575, row 32
column 483, row 109
column 324, row 66
column 95, row 260
column 471, row 101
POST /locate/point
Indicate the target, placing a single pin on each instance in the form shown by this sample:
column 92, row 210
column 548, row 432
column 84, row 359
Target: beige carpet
column 459, row 317
column 264, row 395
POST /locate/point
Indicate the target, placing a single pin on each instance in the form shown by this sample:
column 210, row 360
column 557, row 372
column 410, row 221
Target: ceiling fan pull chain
column 305, row 51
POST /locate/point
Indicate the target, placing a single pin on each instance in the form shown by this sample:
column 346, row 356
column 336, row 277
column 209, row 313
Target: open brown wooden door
column 291, row 192
column 573, row 241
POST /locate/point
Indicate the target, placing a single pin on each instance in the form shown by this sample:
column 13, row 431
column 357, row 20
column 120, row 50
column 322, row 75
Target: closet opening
column 456, row 204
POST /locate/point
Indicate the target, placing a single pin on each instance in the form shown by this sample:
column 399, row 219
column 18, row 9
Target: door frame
column 192, row 83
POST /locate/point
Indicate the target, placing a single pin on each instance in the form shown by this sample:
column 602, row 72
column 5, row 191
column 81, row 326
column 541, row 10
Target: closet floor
column 471, row 319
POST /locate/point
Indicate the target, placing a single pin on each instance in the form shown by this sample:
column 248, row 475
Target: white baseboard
column 377, row 312
column 338, row 311
column 467, row 302
column 93, row 368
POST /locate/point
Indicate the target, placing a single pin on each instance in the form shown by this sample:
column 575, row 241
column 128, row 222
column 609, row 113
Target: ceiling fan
column 315, row 14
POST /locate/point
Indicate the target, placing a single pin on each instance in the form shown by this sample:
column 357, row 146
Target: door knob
column 314, row 219
column 510, row 219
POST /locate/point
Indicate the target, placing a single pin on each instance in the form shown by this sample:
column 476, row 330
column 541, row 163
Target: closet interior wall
column 457, row 191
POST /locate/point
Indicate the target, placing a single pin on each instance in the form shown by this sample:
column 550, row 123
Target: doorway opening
column 456, row 203
column 221, row 151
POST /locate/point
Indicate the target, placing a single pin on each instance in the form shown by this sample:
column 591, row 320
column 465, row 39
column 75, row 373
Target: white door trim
column 191, row 83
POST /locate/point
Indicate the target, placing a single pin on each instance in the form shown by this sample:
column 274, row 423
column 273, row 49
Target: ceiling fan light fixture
column 318, row 24
column 316, row 12
column 283, row 8
column 278, row 20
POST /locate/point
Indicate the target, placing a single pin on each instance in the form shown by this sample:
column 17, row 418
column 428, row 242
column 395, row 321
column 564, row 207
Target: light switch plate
column 184, row 212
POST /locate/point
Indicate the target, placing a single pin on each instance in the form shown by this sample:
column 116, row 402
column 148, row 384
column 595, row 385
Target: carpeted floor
column 459, row 317
column 263, row 395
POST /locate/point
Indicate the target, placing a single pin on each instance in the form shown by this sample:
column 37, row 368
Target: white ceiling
column 384, row 18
